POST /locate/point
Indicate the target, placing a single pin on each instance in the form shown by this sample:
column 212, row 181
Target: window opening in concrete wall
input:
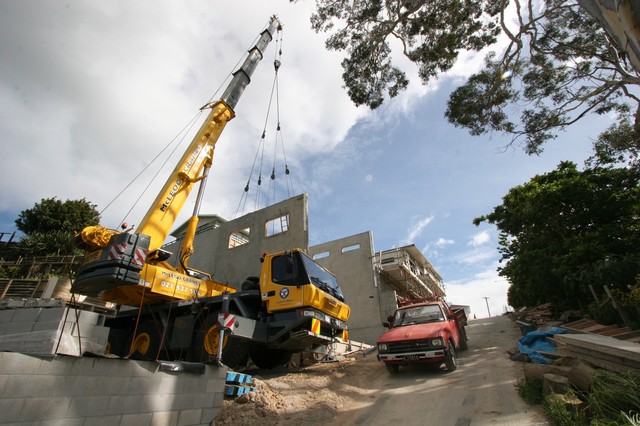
column 277, row 226
column 351, row 248
column 321, row 255
column 239, row 238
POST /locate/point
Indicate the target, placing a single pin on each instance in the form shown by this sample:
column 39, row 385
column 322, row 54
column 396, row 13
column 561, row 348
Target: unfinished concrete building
column 371, row 282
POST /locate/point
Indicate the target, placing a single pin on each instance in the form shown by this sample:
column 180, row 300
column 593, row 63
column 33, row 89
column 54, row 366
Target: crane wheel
column 235, row 351
column 146, row 342
column 211, row 340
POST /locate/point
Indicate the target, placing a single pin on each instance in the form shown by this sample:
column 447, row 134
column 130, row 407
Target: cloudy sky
column 91, row 92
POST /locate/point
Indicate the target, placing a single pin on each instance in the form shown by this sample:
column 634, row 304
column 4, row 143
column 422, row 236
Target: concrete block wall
column 51, row 330
column 97, row 391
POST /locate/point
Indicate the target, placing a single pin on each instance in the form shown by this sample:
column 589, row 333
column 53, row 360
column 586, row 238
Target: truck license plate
column 411, row 357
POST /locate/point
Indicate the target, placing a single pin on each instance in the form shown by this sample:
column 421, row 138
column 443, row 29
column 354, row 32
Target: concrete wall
column 351, row 260
column 233, row 266
column 94, row 391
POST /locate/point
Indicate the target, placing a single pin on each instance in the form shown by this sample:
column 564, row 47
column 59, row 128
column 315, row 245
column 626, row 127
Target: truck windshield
column 418, row 315
column 322, row 278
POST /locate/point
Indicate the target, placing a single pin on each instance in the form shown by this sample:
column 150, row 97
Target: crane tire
column 235, row 351
column 145, row 345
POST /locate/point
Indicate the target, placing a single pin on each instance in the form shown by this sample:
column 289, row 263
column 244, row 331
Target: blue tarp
column 536, row 341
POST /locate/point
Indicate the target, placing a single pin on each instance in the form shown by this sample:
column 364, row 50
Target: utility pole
column 486, row 299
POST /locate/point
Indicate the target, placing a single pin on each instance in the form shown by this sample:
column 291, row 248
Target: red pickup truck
column 428, row 332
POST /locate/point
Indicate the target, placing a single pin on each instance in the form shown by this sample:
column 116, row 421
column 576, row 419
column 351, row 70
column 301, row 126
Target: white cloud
column 416, row 229
column 442, row 242
column 486, row 284
column 475, row 256
column 92, row 91
column 480, row 239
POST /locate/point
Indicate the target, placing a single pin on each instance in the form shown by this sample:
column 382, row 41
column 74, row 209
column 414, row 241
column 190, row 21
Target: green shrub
column 614, row 398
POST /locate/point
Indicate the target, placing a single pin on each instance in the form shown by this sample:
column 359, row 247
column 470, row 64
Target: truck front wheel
column 450, row 358
column 392, row 368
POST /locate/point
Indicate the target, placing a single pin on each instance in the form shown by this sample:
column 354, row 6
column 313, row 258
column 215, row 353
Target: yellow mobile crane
column 178, row 313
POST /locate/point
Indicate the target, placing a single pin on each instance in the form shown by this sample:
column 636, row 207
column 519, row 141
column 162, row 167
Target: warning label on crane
column 226, row 320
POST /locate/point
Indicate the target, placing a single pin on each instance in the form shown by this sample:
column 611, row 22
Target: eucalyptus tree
column 549, row 65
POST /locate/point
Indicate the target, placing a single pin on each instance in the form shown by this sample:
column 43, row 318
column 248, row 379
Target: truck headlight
column 382, row 347
column 436, row 343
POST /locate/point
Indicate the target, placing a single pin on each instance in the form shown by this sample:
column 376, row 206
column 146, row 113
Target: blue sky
column 93, row 90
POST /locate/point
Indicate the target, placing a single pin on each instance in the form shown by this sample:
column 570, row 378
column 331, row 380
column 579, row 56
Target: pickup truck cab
column 428, row 332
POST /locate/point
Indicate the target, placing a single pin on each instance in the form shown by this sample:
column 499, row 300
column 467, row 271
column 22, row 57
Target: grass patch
column 614, row 399
column 562, row 411
column 530, row 390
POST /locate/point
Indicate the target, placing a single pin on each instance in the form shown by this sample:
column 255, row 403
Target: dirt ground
column 359, row 389
column 315, row 394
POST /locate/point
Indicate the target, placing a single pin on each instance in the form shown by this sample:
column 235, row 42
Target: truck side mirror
column 386, row 324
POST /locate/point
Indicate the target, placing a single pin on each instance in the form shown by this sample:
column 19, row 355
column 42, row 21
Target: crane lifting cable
column 179, row 140
column 259, row 168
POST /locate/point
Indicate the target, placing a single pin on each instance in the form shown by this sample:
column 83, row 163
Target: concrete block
column 209, row 414
column 34, row 343
column 55, row 367
column 143, row 419
column 29, row 315
column 11, row 409
column 222, row 372
column 215, row 385
column 74, row 385
column 189, row 417
column 87, row 406
column 141, row 385
column 64, row 422
column 46, row 326
column 93, row 318
column 111, row 386
column 103, row 420
column 182, row 401
column 126, row 404
column 13, row 363
column 167, row 384
column 218, row 399
column 51, row 314
column 165, row 418
column 27, row 386
column 36, row 409
column 6, row 315
column 159, row 402
column 202, row 400
column 193, row 383
column 19, row 327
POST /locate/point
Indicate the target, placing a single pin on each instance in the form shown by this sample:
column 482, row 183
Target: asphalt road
column 480, row 392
